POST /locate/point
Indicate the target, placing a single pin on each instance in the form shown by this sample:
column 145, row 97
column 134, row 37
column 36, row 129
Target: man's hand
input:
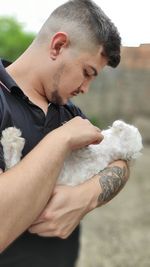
column 62, row 214
column 80, row 133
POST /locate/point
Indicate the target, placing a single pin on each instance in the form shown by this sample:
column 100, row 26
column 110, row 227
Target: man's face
column 74, row 74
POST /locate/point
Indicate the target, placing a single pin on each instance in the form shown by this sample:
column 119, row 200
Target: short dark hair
column 89, row 19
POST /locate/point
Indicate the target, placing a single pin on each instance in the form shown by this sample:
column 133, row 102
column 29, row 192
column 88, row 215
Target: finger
column 97, row 141
column 54, row 233
column 99, row 138
column 47, row 234
column 38, row 221
column 98, row 129
column 41, row 227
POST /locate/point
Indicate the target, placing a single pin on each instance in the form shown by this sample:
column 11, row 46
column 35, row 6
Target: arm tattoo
column 112, row 180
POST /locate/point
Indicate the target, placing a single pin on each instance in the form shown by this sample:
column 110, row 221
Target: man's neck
column 27, row 80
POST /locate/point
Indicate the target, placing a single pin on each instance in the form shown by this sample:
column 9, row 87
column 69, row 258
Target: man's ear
column 58, row 41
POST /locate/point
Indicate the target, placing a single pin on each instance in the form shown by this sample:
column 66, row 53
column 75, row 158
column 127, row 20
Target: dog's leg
column 13, row 144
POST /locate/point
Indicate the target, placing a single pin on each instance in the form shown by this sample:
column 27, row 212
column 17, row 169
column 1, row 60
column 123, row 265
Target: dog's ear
column 118, row 125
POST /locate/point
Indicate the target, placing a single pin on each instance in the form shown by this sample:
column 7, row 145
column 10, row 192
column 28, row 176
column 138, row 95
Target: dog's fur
column 12, row 144
column 121, row 141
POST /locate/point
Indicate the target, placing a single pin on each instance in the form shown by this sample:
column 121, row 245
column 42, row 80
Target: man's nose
column 84, row 88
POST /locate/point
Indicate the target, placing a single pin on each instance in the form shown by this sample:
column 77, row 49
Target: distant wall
column 136, row 57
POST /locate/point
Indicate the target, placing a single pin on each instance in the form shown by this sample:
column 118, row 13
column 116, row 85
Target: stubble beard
column 55, row 96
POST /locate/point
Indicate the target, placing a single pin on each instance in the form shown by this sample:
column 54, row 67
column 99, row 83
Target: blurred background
column 117, row 234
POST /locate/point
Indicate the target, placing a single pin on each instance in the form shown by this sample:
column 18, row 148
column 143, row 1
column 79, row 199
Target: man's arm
column 112, row 179
column 26, row 188
column 108, row 183
column 69, row 205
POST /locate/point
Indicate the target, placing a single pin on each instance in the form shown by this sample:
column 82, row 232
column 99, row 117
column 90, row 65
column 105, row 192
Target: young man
column 39, row 222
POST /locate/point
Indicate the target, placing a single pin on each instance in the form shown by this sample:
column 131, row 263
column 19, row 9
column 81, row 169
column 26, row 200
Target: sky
column 130, row 16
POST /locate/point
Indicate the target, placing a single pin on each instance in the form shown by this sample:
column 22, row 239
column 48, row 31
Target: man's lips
column 75, row 93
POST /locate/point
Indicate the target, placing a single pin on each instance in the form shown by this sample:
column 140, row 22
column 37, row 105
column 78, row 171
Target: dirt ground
column 118, row 234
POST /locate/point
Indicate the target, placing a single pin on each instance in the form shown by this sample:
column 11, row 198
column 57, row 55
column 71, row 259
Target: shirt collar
column 7, row 80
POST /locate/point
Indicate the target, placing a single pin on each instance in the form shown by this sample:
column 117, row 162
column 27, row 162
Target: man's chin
column 57, row 99
column 60, row 102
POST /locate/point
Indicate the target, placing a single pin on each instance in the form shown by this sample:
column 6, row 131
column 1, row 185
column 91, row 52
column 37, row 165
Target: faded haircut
column 87, row 25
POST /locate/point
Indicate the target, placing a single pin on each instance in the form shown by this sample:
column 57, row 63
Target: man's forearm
column 26, row 188
column 105, row 185
column 112, row 179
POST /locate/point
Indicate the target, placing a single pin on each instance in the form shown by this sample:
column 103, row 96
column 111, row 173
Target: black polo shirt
column 17, row 110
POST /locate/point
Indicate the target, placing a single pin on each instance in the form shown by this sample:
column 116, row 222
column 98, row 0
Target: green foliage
column 13, row 39
column 99, row 122
column 94, row 120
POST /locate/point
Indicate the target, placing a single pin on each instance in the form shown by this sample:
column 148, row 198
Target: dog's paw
column 12, row 135
column 13, row 144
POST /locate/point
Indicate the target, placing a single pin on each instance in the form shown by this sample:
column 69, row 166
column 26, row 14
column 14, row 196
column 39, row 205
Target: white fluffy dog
column 121, row 141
